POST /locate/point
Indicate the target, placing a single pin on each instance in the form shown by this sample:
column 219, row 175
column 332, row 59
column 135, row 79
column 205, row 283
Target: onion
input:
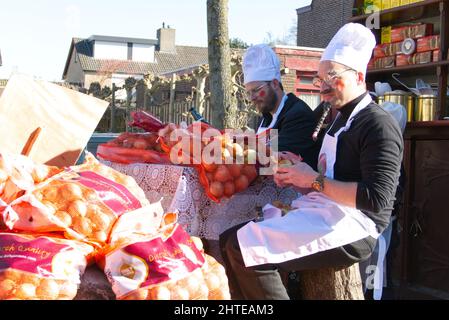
column 77, row 209
column 179, row 293
column 241, row 183
column 6, row 288
column 229, row 189
column 222, row 174
column 48, row 289
column 138, row 295
column 67, row 290
column 160, row 293
column 216, row 189
column 141, row 144
column 30, row 278
column 25, row 291
column 71, row 191
column 82, row 225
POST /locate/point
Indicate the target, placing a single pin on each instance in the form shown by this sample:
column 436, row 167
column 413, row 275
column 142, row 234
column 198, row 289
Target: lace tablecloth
column 178, row 188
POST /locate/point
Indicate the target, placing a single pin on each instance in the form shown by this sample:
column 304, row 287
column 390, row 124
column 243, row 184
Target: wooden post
column 112, row 127
column 331, row 284
column 171, row 105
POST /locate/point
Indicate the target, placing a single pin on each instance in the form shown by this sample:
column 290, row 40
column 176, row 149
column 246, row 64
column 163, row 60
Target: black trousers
column 264, row 282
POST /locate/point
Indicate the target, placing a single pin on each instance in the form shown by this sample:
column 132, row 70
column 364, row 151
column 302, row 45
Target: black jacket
column 295, row 126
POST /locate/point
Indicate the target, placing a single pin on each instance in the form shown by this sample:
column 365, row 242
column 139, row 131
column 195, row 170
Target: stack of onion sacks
column 38, row 267
column 83, row 202
column 164, row 264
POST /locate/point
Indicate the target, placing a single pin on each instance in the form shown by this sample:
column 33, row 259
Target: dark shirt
column 370, row 153
column 295, row 126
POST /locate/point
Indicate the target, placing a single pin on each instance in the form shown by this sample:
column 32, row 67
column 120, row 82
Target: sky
column 35, row 35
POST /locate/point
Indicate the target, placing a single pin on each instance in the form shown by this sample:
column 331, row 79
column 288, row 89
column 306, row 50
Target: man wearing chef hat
column 292, row 117
column 352, row 194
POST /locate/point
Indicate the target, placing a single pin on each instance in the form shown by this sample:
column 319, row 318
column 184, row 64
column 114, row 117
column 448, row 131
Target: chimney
column 166, row 38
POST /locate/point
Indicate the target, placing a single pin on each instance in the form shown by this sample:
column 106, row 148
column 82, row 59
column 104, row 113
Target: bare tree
column 222, row 104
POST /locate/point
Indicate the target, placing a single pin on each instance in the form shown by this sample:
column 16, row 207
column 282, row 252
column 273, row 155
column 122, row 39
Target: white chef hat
column 398, row 112
column 351, row 46
column 260, row 63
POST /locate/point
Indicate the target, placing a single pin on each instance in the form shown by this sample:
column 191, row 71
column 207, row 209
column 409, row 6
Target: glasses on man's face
column 318, row 82
column 252, row 92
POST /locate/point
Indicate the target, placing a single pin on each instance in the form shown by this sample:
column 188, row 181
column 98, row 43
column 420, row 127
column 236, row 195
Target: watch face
column 317, row 186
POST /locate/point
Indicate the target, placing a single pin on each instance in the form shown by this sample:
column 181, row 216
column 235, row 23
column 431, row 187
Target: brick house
column 108, row 60
column 300, row 64
column 319, row 21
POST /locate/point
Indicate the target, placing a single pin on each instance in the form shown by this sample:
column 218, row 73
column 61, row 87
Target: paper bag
column 67, row 119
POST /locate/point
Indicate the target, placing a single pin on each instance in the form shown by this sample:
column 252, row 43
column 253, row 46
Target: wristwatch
column 318, row 184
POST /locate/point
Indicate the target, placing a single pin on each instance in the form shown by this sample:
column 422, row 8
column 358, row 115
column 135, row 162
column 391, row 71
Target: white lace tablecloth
column 179, row 189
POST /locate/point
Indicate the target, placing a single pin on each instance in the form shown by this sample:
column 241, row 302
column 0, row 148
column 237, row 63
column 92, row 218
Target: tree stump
column 331, row 284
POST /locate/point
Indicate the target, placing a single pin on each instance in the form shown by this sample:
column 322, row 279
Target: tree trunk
column 331, row 284
column 219, row 62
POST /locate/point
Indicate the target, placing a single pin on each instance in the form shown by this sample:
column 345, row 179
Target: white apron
column 318, row 224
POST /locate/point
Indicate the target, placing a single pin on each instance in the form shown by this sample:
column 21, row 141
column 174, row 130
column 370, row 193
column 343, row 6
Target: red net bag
column 37, row 267
column 146, row 121
column 133, row 148
column 225, row 167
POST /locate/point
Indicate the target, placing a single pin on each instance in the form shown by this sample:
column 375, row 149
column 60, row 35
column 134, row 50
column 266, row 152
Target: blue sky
column 35, row 35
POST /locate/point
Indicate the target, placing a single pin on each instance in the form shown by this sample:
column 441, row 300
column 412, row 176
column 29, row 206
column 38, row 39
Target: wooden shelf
column 411, row 70
column 410, row 12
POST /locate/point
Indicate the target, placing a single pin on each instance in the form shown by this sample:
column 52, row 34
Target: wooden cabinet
column 421, row 262
column 422, row 259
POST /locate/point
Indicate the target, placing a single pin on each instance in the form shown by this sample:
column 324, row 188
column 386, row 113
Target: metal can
column 404, row 98
column 425, row 108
